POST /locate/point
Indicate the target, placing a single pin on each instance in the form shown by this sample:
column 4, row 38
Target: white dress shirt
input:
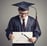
column 26, row 19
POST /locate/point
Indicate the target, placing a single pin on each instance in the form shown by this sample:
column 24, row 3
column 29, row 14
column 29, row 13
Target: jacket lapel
column 28, row 24
column 19, row 24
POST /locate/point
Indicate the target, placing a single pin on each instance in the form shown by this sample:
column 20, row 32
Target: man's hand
column 33, row 39
column 11, row 37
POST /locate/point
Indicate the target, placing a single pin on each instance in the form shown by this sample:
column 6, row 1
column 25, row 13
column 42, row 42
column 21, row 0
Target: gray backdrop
column 7, row 11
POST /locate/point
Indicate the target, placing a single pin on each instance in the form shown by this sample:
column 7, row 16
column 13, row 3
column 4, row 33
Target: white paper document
column 22, row 37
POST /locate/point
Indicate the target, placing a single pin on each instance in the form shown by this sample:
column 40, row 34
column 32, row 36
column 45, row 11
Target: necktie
column 23, row 25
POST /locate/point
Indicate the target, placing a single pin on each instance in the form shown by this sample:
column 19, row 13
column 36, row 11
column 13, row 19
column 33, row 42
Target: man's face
column 23, row 14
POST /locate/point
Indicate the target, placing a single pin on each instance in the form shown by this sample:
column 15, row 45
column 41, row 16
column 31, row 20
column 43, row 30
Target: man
column 23, row 23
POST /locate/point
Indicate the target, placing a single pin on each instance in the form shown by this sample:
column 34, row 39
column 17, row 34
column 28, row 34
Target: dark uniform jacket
column 16, row 26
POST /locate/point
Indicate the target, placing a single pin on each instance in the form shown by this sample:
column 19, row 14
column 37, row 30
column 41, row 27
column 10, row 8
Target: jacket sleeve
column 9, row 29
column 37, row 31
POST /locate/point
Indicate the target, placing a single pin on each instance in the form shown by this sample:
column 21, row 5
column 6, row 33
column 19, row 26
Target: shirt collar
column 25, row 17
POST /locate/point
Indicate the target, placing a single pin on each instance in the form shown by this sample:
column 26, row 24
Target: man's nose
column 23, row 14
